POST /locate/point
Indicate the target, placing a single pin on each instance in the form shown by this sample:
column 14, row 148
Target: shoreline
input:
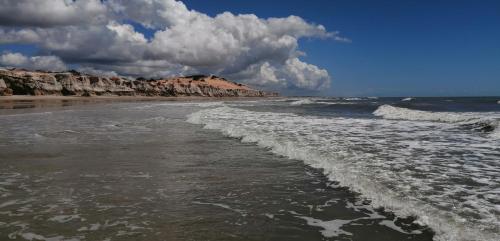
column 40, row 101
column 63, row 97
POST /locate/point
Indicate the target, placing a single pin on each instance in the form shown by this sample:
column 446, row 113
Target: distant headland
column 73, row 83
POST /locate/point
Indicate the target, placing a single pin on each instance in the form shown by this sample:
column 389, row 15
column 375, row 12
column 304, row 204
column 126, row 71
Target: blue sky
column 398, row 48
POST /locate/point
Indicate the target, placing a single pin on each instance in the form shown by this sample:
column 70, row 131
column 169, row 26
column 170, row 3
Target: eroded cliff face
column 24, row 82
column 4, row 90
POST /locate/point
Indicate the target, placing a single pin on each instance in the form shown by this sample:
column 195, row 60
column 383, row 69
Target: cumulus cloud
column 97, row 36
column 47, row 13
column 92, row 71
column 19, row 36
column 304, row 75
column 51, row 63
column 154, row 13
column 294, row 73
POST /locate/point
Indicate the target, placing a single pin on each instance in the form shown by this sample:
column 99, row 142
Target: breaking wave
column 322, row 102
column 399, row 166
column 302, row 102
column 352, row 99
column 488, row 122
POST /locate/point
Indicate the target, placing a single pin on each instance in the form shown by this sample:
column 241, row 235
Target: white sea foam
column 397, row 113
column 319, row 101
column 331, row 228
column 93, row 227
column 27, row 114
column 335, row 103
column 393, row 226
column 407, row 99
column 141, row 175
column 302, row 102
column 409, row 167
column 496, row 133
column 34, row 236
column 183, row 103
column 242, row 212
column 64, row 218
column 353, row 99
column 210, row 104
column 489, row 120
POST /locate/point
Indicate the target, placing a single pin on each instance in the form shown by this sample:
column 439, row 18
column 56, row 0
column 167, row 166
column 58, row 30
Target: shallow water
column 138, row 170
column 433, row 158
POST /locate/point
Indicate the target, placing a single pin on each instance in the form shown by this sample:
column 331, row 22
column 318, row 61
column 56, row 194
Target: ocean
column 259, row 169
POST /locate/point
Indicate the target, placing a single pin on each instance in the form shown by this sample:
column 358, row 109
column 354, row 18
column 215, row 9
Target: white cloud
column 154, row 13
column 304, row 75
column 19, row 36
column 145, row 68
column 47, row 13
column 92, row 71
column 126, row 33
column 293, row 74
column 51, row 63
column 243, row 47
column 13, row 59
column 113, row 42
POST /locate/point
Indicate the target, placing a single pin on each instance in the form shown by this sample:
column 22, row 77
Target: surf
column 378, row 160
column 487, row 122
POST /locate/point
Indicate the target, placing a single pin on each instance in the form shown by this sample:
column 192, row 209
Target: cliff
column 72, row 83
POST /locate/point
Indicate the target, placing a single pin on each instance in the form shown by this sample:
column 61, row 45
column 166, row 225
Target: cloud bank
column 98, row 36
column 52, row 63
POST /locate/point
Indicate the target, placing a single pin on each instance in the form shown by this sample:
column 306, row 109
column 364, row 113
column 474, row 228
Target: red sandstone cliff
column 24, row 82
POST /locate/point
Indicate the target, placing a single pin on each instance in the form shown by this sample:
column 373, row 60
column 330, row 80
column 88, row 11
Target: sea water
column 437, row 159
column 267, row 169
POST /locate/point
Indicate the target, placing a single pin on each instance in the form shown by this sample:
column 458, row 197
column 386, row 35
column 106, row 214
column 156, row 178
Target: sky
column 317, row 47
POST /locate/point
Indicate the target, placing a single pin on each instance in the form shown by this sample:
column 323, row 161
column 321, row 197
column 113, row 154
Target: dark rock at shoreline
column 73, row 83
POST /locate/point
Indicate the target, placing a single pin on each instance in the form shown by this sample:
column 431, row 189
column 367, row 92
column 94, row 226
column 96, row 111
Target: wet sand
column 120, row 98
column 30, row 101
